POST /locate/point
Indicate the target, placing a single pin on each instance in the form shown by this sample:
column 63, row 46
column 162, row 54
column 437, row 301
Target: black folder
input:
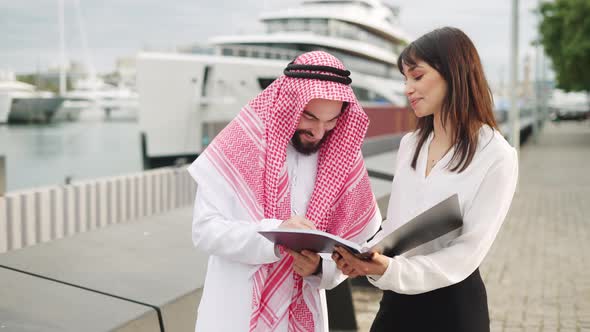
column 433, row 223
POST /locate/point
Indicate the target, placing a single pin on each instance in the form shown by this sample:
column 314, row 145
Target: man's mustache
column 306, row 132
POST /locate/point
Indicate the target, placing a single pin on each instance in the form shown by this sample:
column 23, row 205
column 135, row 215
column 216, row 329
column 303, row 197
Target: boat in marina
column 21, row 102
column 185, row 99
column 94, row 95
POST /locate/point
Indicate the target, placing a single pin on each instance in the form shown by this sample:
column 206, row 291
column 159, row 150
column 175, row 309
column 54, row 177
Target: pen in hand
column 297, row 222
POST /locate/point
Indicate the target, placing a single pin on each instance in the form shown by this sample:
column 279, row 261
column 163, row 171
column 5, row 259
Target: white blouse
column 485, row 191
column 236, row 249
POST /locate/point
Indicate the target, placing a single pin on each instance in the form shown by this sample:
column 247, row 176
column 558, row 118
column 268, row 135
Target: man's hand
column 305, row 263
column 297, row 222
column 353, row 266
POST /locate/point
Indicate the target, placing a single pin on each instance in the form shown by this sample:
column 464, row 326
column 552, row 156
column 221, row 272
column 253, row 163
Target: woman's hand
column 305, row 263
column 353, row 266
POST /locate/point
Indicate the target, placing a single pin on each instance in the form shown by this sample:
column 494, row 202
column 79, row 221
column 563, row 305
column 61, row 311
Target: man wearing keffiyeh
column 291, row 158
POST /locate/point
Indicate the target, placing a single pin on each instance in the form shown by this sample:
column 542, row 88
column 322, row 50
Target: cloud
column 28, row 28
column 487, row 23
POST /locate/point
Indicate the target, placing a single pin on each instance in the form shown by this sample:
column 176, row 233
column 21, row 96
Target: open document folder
column 435, row 222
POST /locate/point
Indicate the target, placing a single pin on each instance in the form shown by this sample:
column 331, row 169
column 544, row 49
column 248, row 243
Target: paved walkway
column 538, row 271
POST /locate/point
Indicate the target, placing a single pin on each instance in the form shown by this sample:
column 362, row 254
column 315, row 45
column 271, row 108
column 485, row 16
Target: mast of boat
column 85, row 48
column 62, row 48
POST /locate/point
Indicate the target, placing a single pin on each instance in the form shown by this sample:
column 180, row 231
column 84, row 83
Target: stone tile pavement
column 538, row 271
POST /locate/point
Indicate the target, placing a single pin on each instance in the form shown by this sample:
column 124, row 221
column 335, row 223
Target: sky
column 119, row 28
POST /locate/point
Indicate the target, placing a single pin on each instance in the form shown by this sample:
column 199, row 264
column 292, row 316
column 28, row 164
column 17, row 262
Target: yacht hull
column 33, row 109
column 70, row 110
column 185, row 100
column 5, row 101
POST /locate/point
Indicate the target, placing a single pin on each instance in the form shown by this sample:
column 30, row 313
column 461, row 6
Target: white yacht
column 21, row 103
column 185, row 99
column 89, row 95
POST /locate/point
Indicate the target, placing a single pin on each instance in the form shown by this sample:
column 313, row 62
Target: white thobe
column 485, row 191
column 236, row 249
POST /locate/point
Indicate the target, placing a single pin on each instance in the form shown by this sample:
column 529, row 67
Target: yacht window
column 205, row 80
column 264, row 82
column 366, row 95
column 319, row 26
column 362, row 94
column 296, row 25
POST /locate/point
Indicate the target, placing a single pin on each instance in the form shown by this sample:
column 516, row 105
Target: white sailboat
column 98, row 96
column 92, row 93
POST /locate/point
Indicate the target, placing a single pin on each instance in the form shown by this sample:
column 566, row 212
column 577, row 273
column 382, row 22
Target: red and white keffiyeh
column 250, row 153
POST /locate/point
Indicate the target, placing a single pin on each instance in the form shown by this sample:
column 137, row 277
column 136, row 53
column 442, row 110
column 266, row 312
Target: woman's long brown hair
column 468, row 104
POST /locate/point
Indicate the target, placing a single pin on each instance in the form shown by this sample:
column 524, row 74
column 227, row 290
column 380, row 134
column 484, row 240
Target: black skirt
column 462, row 307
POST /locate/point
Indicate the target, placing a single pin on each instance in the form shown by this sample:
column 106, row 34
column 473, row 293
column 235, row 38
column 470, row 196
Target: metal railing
column 44, row 214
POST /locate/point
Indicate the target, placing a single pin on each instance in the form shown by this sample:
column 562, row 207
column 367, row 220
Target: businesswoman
column 456, row 148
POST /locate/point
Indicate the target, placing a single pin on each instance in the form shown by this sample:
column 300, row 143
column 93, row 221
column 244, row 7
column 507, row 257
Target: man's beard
column 307, row 148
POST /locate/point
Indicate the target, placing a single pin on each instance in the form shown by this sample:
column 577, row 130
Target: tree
column 43, row 82
column 565, row 35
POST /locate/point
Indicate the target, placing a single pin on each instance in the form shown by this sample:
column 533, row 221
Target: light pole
column 514, row 111
column 2, row 175
column 537, row 118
